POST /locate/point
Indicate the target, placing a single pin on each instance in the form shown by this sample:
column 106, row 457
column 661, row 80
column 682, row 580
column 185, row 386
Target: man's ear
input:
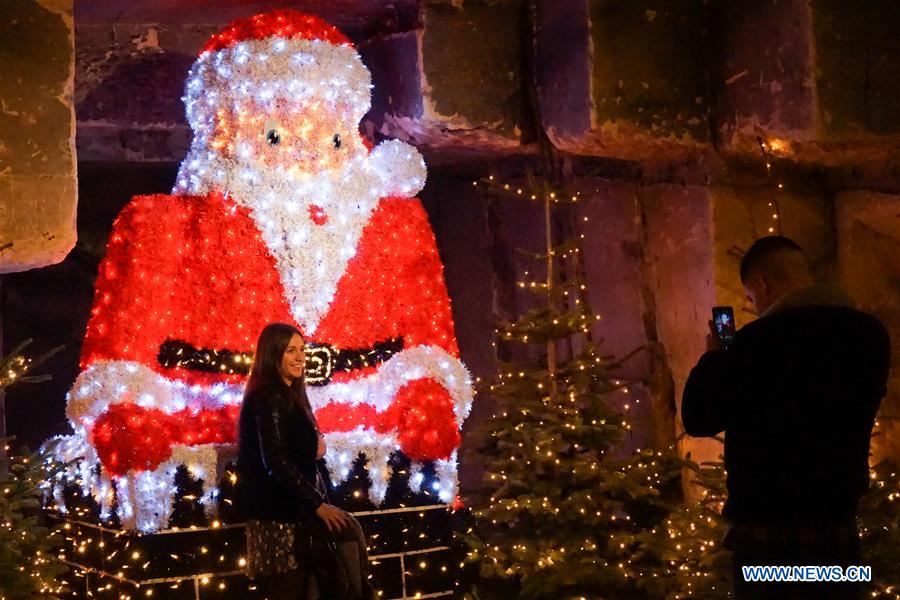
column 760, row 283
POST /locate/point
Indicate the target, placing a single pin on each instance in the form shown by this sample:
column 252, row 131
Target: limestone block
column 856, row 49
column 680, row 253
column 609, row 218
column 734, row 221
column 37, row 129
column 468, row 87
column 397, row 96
column 624, row 78
column 612, row 250
column 868, row 225
column 815, row 78
column 761, row 72
column 130, row 80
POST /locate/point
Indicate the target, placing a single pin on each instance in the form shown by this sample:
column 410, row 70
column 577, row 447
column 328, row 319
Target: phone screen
column 723, row 319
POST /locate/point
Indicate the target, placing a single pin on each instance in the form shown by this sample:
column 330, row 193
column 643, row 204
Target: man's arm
column 707, row 401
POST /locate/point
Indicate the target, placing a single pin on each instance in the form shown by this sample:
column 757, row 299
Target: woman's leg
column 352, row 552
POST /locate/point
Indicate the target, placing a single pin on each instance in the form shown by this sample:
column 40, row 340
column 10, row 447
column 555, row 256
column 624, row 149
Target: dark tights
column 305, row 583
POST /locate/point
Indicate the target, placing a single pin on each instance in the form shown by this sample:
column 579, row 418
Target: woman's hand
column 335, row 519
column 320, row 449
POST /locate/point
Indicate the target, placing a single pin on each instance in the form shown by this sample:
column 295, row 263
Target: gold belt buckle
column 319, row 363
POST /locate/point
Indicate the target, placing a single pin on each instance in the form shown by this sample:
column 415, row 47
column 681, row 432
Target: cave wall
column 37, row 134
column 656, row 112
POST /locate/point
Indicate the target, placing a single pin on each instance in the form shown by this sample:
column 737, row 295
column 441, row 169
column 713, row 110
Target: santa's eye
column 273, row 137
column 336, row 140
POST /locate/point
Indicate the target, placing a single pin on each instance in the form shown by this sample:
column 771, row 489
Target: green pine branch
column 29, row 563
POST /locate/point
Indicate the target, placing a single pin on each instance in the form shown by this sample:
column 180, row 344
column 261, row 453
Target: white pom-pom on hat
column 400, row 167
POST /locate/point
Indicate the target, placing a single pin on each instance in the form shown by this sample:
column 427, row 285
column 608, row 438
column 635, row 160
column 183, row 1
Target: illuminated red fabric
column 187, row 268
column 422, row 413
column 195, row 268
column 279, row 23
column 131, row 437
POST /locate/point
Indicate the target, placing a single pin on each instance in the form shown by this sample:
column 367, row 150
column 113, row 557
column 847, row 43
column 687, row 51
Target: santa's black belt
column 322, row 360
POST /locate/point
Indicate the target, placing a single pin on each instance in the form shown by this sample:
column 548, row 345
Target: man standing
column 796, row 394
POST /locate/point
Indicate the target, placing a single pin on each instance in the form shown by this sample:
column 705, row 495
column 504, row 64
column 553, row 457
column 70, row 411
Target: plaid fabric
column 766, row 545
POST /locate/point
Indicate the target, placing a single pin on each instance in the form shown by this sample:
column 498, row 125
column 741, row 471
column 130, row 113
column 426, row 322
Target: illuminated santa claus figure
column 281, row 212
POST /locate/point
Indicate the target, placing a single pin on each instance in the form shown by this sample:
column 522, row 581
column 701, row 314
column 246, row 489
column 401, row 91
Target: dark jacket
column 796, row 395
column 276, row 467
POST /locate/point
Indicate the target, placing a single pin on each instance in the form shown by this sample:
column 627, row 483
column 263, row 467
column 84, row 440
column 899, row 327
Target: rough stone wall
column 129, row 82
column 37, row 133
column 686, row 85
column 868, row 226
column 679, row 249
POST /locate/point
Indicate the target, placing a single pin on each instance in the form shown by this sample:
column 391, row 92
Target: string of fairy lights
column 768, row 148
column 16, row 368
column 681, row 538
column 209, row 556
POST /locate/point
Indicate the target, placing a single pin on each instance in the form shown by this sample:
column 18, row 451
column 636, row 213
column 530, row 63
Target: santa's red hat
column 284, row 24
column 282, row 54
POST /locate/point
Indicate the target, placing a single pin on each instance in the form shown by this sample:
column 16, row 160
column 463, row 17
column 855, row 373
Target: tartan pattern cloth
column 800, row 545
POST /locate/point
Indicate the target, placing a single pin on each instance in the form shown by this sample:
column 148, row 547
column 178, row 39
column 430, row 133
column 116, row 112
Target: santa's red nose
column 317, row 214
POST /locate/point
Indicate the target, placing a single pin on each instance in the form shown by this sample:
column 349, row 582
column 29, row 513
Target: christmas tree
column 688, row 559
column 570, row 514
column 29, row 565
column 567, row 509
column 879, row 528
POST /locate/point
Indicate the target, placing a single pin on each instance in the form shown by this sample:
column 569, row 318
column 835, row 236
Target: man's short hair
column 761, row 254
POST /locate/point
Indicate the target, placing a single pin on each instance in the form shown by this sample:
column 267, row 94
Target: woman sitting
column 298, row 545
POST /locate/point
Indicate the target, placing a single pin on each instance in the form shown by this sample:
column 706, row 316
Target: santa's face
column 276, row 125
column 300, row 138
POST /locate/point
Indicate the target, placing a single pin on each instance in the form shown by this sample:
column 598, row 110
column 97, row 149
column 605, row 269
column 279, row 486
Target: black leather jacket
column 796, row 395
column 276, row 468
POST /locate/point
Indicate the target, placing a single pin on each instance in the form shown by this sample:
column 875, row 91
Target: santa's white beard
column 310, row 257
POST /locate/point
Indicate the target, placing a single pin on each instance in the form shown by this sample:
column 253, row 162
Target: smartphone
column 723, row 319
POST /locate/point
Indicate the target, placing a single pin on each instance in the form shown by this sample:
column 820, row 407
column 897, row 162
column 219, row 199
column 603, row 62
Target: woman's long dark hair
column 273, row 341
column 266, row 370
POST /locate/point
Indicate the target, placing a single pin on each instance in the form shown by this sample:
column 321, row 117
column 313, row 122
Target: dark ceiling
column 358, row 18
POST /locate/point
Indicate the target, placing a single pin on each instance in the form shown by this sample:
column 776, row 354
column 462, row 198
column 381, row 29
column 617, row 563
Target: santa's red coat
column 196, row 269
